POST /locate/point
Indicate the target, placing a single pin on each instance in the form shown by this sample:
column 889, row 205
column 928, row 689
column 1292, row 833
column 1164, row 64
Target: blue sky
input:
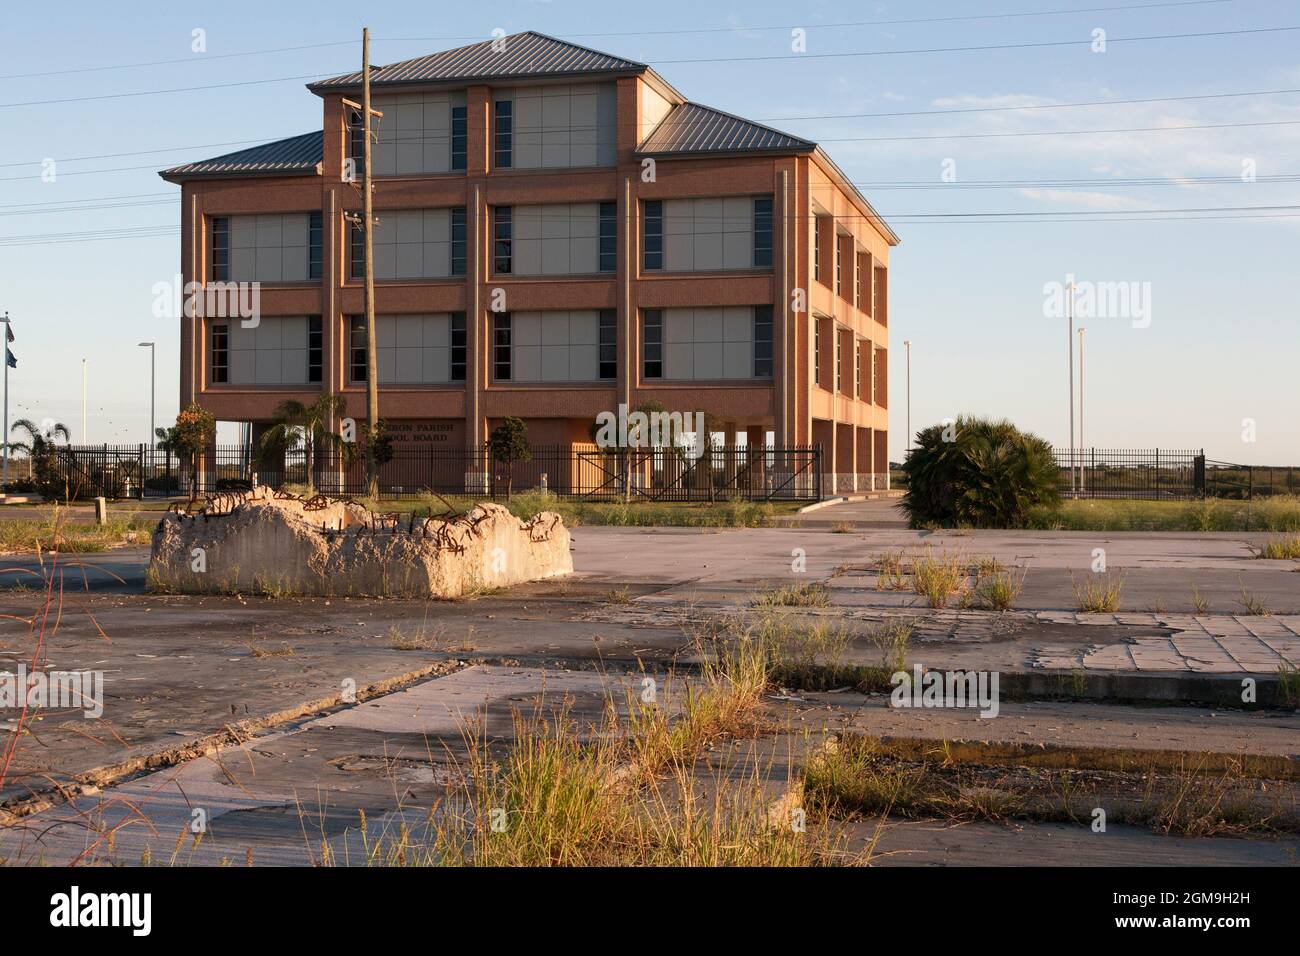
column 1222, row 344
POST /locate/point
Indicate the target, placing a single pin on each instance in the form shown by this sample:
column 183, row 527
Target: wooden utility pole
column 372, row 361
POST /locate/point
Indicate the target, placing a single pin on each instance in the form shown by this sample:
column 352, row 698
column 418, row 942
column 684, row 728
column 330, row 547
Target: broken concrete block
column 264, row 542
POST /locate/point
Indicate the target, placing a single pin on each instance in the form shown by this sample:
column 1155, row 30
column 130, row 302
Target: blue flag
column 9, row 358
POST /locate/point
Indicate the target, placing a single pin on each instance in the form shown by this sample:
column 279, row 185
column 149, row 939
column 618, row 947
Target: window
column 315, row 229
column 555, row 127
column 502, row 231
column 708, row 344
column 857, row 282
column 412, row 244
column 357, row 250
column 708, row 235
column 838, row 363
column 857, row 369
column 410, row 349
column 458, row 242
column 560, row 345
column 314, row 350
column 762, row 341
column 817, row 350
column 608, row 357
column 504, row 129
column 458, row 138
column 653, row 229
column 220, row 270
column 356, row 142
column 817, row 248
column 501, row 346
column 608, row 237
column 357, row 348
column 458, row 346
column 220, row 354
column 652, row 349
column 557, row 239
column 273, row 247
column 839, row 266
column 417, row 134
column 762, row 232
column 276, row 351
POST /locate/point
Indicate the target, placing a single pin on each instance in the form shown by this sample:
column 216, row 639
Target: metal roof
column 294, row 156
column 527, row 54
column 694, row 129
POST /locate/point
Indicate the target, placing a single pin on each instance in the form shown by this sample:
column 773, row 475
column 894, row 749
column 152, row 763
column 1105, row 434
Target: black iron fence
column 1130, row 472
column 583, row 471
column 1165, row 473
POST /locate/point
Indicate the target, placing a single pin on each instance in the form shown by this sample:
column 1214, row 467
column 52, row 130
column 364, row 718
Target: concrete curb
column 1064, row 757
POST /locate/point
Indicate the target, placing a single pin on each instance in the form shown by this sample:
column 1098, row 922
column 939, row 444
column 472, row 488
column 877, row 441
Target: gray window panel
column 555, row 363
column 386, row 362
column 556, row 346
column 563, row 126
column 584, row 255
column 708, row 234
column 527, row 257
column 526, row 328
column 708, row 343
column 584, row 328
column 555, row 257
column 271, row 247
column 243, row 262
column 679, row 360
column 268, row 367
column 584, row 363
column 414, row 135
column 737, row 360
column 413, row 244
column 409, row 364
column 294, row 263
column 242, row 368
column 435, row 365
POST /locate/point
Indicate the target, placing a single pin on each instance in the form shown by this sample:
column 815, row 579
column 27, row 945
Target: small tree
column 42, row 451
column 308, row 426
column 508, row 444
column 978, row 473
column 194, row 431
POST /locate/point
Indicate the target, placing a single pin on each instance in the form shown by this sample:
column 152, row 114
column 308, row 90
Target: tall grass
column 1277, row 513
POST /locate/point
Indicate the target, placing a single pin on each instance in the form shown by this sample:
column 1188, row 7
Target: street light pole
column 4, row 439
column 1069, row 339
column 907, row 344
column 1081, row 408
column 152, row 366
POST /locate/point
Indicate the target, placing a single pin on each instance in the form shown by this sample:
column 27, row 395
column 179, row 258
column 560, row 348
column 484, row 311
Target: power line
column 1040, row 106
column 199, row 58
column 733, row 59
column 1040, row 44
column 1058, row 132
column 64, row 202
column 140, row 152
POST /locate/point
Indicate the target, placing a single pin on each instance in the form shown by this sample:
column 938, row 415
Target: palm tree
column 308, row 426
column 41, row 447
column 38, row 442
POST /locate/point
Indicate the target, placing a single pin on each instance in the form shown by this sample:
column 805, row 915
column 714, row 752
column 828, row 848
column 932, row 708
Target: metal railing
column 1130, row 472
column 579, row 472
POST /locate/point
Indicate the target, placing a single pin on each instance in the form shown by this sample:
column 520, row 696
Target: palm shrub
column 978, row 473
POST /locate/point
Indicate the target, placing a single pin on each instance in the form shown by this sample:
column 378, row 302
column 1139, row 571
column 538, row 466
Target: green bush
column 978, row 473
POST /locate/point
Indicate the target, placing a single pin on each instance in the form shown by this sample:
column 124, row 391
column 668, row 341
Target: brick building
column 559, row 232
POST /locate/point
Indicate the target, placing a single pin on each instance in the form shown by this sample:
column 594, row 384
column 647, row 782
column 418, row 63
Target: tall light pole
column 152, row 365
column 4, row 439
column 85, row 439
column 1081, row 408
column 1069, row 340
column 907, row 344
